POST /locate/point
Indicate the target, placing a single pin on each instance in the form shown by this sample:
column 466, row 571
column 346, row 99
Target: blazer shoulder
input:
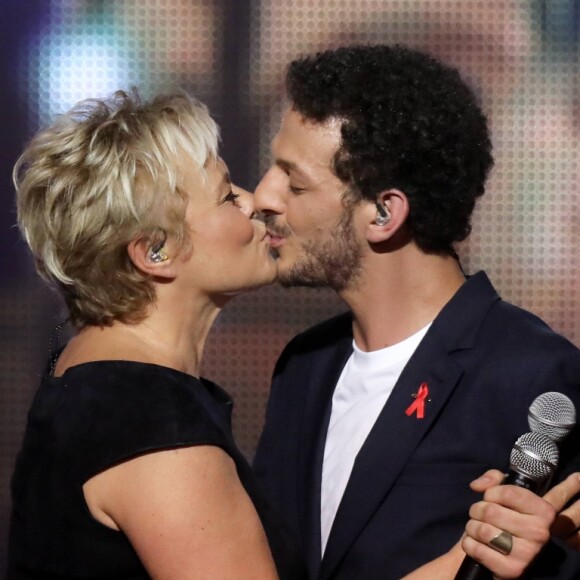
column 530, row 330
column 333, row 334
column 518, row 350
column 322, row 335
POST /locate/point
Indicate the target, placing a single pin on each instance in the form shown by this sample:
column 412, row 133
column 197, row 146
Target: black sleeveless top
column 93, row 417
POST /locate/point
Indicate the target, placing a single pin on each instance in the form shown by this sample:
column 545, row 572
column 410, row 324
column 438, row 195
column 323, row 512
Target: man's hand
column 526, row 517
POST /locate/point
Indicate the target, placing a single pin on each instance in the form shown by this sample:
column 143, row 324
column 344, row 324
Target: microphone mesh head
column 552, row 414
column 534, row 455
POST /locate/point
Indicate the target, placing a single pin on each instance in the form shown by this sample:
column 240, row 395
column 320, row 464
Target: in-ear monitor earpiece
column 383, row 216
column 157, row 253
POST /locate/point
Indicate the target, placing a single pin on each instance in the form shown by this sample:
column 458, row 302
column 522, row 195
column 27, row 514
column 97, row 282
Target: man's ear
column 152, row 258
column 387, row 215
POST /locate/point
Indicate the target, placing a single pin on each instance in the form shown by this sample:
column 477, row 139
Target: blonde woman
column 128, row 467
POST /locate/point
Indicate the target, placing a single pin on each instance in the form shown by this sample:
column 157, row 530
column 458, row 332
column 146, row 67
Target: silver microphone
column 533, row 459
column 552, row 414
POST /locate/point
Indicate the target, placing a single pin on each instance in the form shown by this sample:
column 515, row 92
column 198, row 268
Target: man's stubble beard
column 334, row 261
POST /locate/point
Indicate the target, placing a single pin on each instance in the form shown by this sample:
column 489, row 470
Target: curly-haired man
column 379, row 418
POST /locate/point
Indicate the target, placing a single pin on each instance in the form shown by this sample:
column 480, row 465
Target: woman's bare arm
column 186, row 514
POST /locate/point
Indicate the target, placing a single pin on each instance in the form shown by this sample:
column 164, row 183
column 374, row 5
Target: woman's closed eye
column 231, row 197
column 242, row 199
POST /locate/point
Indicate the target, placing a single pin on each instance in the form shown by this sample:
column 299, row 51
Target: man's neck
column 398, row 294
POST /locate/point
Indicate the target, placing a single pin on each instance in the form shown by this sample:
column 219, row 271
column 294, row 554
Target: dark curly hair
column 410, row 123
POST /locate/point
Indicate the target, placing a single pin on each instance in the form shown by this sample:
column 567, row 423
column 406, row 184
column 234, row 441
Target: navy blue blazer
column 407, row 499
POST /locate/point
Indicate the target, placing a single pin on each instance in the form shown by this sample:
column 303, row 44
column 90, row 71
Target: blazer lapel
column 322, row 378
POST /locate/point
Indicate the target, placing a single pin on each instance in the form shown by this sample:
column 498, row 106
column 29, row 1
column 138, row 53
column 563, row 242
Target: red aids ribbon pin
column 418, row 405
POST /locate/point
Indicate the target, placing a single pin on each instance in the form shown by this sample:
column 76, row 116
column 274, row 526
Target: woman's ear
column 152, row 258
column 387, row 215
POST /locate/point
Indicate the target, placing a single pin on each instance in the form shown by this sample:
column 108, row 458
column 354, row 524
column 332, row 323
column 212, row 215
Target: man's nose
column 270, row 195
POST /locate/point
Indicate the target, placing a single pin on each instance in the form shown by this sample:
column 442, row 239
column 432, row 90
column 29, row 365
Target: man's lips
column 274, row 239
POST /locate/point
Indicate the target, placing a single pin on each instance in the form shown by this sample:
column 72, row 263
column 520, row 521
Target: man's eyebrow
column 290, row 166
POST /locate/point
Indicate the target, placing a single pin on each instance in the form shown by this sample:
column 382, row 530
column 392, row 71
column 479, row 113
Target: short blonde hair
column 103, row 174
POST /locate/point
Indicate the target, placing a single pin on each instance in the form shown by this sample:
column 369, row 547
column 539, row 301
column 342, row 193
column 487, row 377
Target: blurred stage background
column 522, row 57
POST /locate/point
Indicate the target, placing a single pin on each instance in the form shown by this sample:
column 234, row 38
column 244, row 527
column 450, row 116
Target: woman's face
column 229, row 251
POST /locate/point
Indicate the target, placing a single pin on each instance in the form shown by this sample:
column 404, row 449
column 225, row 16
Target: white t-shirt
column 365, row 384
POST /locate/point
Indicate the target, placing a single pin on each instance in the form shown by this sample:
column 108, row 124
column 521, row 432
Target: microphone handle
column 472, row 570
column 515, row 478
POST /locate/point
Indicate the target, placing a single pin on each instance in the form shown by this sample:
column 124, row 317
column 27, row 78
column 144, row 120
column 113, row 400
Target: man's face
column 311, row 228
